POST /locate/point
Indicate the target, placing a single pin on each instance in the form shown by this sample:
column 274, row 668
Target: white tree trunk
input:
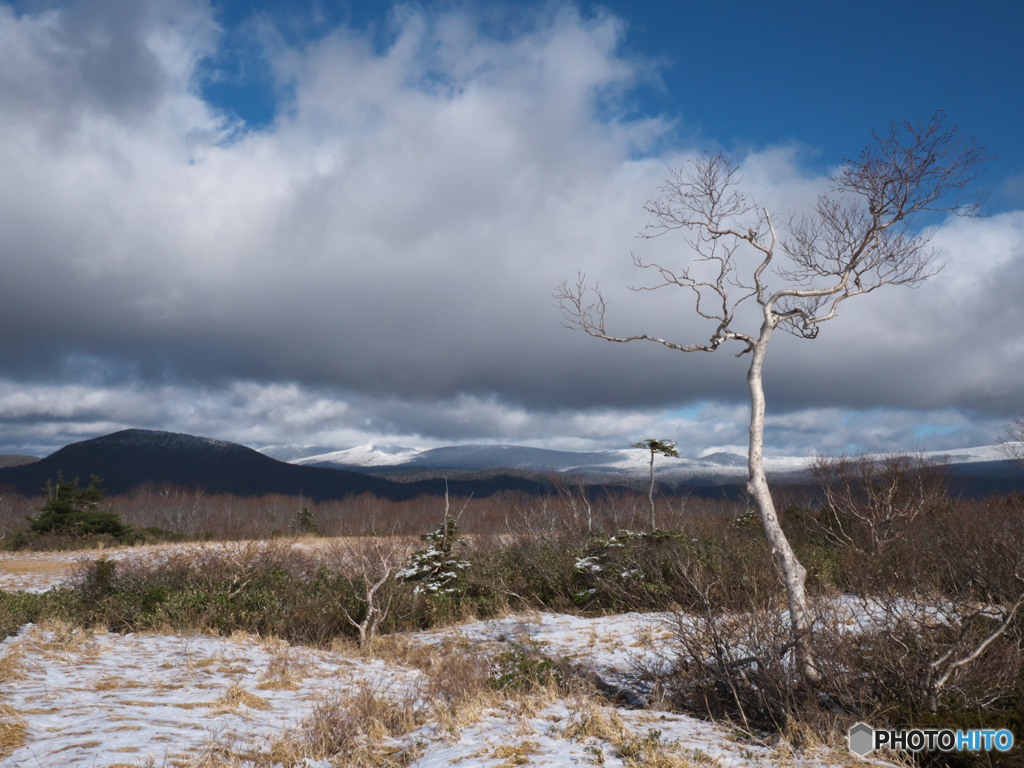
column 650, row 495
column 793, row 572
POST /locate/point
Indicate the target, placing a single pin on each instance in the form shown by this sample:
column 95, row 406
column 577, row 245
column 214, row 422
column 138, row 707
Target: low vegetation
column 916, row 619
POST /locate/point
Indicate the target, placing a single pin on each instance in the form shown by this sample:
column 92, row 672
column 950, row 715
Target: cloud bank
column 377, row 263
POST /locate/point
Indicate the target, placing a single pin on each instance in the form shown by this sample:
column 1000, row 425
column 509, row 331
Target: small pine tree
column 436, row 569
column 304, row 525
column 665, row 448
column 73, row 511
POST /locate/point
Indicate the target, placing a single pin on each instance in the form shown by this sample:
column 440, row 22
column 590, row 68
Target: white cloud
column 395, row 236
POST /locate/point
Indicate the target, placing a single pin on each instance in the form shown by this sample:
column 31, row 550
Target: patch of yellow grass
column 115, row 683
column 278, row 685
column 236, row 696
column 177, row 705
column 12, row 730
column 591, row 720
column 65, row 640
column 237, row 670
column 11, row 667
column 83, row 745
column 282, row 672
column 517, row 755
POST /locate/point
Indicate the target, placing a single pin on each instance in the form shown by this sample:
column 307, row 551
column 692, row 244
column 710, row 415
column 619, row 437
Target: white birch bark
column 853, row 241
column 793, row 573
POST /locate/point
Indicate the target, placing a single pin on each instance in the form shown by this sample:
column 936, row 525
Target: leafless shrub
column 368, row 566
column 1011, row 442
column 574, row 495
column 889, row 660
column 871, row 502
column 735, row 666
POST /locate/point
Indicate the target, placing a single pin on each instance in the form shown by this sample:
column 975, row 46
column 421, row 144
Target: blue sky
column 746, row 74
column 337, row 223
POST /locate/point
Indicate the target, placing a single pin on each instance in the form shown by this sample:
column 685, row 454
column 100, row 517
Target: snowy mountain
column 368, row 455
column 621, row 464
column 612, row 466
column 134, row 457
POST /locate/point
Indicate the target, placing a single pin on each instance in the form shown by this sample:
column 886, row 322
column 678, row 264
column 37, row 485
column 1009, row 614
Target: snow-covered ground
column 96, row 699
column 69, row 697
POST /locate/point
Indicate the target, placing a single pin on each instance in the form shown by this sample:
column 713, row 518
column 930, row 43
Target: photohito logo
column 864, row 739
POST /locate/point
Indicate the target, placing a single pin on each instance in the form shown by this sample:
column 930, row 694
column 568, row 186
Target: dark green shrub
column 524, row 668
column 303, row 524
column 20, row 608
column 72, row 511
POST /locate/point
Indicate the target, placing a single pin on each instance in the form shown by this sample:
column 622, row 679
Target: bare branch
column 1011, row 443
column 367, row 566
column 949, row 668
column 589, row 317
column 859, row 238
column 910, row 168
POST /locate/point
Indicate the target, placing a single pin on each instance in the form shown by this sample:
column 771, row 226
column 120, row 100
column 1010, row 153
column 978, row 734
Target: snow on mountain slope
column 368, row 455
column 293, row 452
column 624, row 464
column 969, row 455
column 627, row 463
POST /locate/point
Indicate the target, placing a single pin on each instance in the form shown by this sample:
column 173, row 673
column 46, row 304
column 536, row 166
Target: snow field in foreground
column 73, row 698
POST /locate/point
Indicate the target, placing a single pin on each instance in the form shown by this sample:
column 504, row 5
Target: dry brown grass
column 592, row 720
column 64, row 640
column 12, row 730
column 453, row 692
column 589, row 719
column 285, row 669
column 11, row 667
column 34, row 563
column 115, row 683
column 236, row 697
column 352, row 726
column 517, row 755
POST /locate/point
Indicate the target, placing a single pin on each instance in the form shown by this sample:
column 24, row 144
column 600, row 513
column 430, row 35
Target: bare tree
column 854, row 240
column 665, row 448
column 575, row 496
column 1011, row 443
column 368, row 565
column 871, row 502
column 5, row 513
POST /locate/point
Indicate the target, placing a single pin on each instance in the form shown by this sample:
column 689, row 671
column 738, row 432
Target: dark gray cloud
column 380, row 260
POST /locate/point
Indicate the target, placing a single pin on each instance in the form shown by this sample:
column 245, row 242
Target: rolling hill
column 133, row 457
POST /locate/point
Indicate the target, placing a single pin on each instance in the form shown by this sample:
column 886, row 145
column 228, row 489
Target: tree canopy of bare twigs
column 1011, row 442
column 871, row 502
column 858, row 237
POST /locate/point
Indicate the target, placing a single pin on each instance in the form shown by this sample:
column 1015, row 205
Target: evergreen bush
column 72, row 511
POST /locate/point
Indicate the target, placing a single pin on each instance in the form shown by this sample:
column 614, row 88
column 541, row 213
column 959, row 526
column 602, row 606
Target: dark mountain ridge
column 16, row 459
column 133, row 457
